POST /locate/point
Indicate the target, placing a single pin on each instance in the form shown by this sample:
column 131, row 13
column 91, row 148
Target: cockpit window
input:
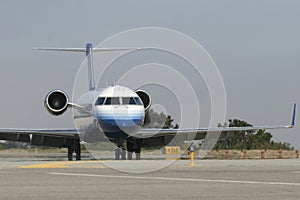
column 131, row 101
column 112, row 101
column 100, row 101
column 128, row 101
column 138, row 100
column 116, row 101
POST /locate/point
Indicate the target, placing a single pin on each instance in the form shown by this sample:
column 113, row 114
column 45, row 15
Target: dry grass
column 251, row 154
column 33, row 150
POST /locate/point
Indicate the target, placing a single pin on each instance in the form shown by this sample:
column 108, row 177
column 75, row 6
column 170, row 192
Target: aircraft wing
column 147, row 133
column 45, row 137
column 64, row 137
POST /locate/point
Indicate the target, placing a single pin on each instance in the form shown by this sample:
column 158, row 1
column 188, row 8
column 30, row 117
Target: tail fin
column 89, row 54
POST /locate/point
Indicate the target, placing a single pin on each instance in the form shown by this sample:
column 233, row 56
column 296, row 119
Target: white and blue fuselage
column 116, row 112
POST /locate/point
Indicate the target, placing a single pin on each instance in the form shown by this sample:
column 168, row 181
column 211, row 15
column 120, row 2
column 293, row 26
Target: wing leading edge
column 146, row 133
column 43, row 137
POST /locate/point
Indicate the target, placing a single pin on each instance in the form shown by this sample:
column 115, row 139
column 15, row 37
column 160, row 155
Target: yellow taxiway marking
column 63, row 164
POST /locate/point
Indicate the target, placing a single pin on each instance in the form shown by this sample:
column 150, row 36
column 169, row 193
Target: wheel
column 70, row 153
column 117, row 154
column 138, row 150
column 129, row 155
column 78, row 150
column 138, row 156
column 123, row 154
column 129, row 149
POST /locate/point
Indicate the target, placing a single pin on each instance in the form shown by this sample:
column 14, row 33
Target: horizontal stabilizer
column 85, row 50
column 89, row 50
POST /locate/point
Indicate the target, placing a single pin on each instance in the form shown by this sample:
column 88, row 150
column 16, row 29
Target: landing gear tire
column 129, row 155
column 120, row 153
column 138, row 156
column 123, row 154
column 129, row 149
column 77, row 150
column 117, row 154
column 138, row 150
column 74, row 147
column 131, row 146
column 134, row 145
column 70, row 153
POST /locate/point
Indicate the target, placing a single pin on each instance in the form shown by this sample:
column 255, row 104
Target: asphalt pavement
column 41, row 178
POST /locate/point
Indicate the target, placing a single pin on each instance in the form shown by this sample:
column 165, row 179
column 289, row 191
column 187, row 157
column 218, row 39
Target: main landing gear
column 131, row 146
column 74, row 147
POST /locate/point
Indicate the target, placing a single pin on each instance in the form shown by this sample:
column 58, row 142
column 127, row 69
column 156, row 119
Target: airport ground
column 42, row 176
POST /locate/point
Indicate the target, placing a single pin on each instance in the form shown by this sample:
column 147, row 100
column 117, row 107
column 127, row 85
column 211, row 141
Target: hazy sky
column 255, row 45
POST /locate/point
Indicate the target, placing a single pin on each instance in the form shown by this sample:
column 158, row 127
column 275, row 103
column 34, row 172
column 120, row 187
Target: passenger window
column 100, row 101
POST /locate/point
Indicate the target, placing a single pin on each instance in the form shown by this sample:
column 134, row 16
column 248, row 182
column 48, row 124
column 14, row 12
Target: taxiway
column 41, row 178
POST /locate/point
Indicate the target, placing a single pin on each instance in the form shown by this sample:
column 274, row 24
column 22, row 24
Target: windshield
column 112, row 101
column 128, row 101
column 131, row 101
column 116, row 101
column 138, row 100
column 100, row 101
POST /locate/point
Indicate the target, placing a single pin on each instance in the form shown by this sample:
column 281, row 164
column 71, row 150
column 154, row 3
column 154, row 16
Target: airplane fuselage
column 115, row 112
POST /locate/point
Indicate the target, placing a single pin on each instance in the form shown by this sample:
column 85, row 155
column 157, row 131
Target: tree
column 248, row 139
column 158, row 120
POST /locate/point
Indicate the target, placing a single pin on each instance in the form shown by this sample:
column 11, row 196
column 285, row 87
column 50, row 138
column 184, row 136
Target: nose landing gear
column 132, row 145
column 120, row 152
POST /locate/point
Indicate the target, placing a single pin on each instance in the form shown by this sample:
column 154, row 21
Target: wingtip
column 293, row 116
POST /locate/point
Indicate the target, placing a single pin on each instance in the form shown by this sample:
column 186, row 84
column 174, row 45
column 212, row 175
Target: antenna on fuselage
column 89, row 54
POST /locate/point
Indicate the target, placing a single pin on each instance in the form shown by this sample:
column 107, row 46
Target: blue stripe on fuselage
column 122, row 122
column 120, row 128
column 125, row 124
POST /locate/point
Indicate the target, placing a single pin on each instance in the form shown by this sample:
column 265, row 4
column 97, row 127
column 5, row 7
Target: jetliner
column 115, row 113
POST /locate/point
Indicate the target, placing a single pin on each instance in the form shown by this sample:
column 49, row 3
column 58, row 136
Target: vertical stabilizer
column 89, row 56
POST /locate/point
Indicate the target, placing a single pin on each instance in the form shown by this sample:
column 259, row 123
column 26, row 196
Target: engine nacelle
column 56, row 102
column 145, row 97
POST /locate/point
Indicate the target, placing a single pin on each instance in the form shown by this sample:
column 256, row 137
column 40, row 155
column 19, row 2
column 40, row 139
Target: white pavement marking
column 179, row 179
column 296, row 172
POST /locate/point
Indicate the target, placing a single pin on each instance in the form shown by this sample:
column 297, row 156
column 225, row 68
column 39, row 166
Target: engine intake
column 145, row 97
column 56, row 102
